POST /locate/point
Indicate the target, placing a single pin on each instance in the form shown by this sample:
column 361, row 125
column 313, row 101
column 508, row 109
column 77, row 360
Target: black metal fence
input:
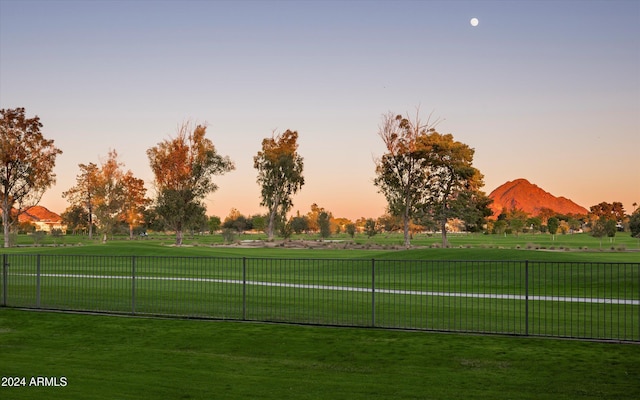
column 559, row 299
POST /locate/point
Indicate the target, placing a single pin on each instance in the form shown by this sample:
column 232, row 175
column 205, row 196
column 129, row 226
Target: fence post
column 133, row 284
column 38, row 281
column 526, row 297
column 373, row 292
column 244, row 288
column 5, row 276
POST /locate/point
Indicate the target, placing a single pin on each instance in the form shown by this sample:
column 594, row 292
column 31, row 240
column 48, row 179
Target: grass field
column 104, row 357
column 386, row 241
column 414, row 289
column 578, row 247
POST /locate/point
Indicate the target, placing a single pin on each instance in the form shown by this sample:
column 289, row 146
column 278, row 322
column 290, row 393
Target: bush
column 228, row 235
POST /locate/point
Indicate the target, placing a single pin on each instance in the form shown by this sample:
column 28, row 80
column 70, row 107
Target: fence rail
column 558, row 299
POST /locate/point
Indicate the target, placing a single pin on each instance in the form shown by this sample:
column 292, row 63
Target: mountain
column 39, row 214
column 523, row 195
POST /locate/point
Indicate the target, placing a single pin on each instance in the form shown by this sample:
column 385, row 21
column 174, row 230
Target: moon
column 474, row 21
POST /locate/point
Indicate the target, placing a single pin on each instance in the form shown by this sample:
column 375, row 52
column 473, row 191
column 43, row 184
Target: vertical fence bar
column 38, row 281
column 373, row 292
column 526, row 297
column 5, row 275
column 133, row 284
column 244, row 288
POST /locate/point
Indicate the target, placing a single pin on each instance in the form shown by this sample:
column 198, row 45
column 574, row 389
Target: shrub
column 228, row 235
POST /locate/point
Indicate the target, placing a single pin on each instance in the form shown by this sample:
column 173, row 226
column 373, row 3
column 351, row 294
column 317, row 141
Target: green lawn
column 333, row 286
column 105, row 357
column 386, row 241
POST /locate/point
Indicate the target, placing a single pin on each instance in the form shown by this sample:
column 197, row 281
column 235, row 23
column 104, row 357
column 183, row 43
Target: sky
column 548, row 91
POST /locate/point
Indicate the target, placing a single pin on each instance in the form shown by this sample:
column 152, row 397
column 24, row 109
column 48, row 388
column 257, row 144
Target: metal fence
column 558, row 299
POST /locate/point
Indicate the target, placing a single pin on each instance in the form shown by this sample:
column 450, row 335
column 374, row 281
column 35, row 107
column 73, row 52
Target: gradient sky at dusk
column 542, row 90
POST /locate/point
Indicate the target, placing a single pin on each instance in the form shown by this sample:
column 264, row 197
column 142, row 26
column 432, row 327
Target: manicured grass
column 130, row 358
column 105, row 357
column 487, row 252
column 316, row 287
column 386, row 241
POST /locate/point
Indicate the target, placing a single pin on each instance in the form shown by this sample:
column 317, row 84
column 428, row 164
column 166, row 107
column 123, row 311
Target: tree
column 178, row 211
column 27, row 160
column 599, row 229
column 279, row 174
column 135, row 201
column 83, row 193
column 634, row 223
column 370, row 227
column 612, row 211
column 109, row 195
column 76, row 218
column 235, row 220
column 258, row 222
column 300, row 223
column 199, row 224
column 428, row 174
column 184, row 168
column 534, row 224
column 339, row 225
column 402, row 173
column 324, row 223
column 351, row 229
column 553, row 224
column 286, row 230
column 500, row 226
column 516, row 220
column 574, row 224
column 151, row 219
column 453, row 184
column 476, row 213
column 214, row 224
column 611, row 229
column 389, row 223
column 312, row 217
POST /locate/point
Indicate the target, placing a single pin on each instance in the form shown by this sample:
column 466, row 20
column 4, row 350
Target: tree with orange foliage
column 83, row 193
column 27, row 160
column 280, row 174
column 184, row 168
column 109, row 195
column 134, row 201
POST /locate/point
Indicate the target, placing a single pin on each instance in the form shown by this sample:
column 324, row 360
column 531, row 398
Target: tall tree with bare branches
column 428, row 175
column 27, row 160
column 402, row 172
column 184, row 168
column 279, row 174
